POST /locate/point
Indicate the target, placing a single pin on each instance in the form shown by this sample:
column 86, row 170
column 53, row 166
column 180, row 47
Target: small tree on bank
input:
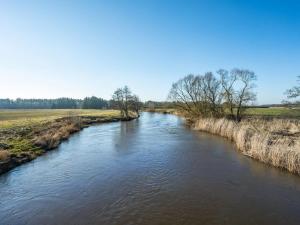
column 126, row 101
column 294, row 92
column 135, row 104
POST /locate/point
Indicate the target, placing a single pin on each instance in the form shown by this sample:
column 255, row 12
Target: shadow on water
column 152, row 170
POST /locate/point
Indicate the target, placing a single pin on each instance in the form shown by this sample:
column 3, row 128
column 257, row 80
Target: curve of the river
column 152, row 170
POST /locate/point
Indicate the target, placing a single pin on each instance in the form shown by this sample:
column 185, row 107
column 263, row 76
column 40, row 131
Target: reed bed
column 272, row 141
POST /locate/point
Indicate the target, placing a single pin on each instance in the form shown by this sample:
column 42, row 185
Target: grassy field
column 275, row 112
column 11, row 118
column 281, row 112
column 26, row 134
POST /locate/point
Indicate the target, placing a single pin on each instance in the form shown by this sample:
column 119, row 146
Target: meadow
column 22, row 117
column 282, row 112
column 271, row 112
column 26, row 134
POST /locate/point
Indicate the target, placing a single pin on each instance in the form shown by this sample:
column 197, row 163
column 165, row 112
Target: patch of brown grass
column 4, row 155
column 52, row 136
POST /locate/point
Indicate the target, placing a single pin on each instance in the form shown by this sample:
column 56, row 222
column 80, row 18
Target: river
column 152, row 170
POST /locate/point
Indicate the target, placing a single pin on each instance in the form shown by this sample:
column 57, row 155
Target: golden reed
column 274, row 141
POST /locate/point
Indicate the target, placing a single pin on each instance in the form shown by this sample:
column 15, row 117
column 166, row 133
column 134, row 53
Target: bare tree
column 126, row 101
column 206, row 95
column 197, row 95
column 118, row 98
column 185, row 95
column 127, row 98
column 245, row 94
column 212, row 90
column 135, row 104
column 228, row 81
column 295, row 91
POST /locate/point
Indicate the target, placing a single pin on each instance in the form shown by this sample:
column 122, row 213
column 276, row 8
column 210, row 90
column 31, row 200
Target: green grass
column 19, row 128
column 19, row 145
column 281, row 112
column 19, row 117
column 275, row 112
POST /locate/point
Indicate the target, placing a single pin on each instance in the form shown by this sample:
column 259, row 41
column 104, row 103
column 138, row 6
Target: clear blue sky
column 50, row 49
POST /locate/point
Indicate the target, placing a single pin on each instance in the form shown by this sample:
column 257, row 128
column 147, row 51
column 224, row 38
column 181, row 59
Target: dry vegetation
column 4, row 154
column 273, row 141
column 26, row 134
column 270, row 135
column 220, row 105
column 161, row 110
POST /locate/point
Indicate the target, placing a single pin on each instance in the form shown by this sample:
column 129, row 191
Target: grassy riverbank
column 270, row 135
column 277, row 112
column 273, row 141
column 26, row 134
column 161, row 110
column 271, row 112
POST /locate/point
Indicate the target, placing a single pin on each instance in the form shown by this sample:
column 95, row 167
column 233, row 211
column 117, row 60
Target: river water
column 152, row 170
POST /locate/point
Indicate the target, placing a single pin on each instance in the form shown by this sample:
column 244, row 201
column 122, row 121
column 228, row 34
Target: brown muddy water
column 152, row 170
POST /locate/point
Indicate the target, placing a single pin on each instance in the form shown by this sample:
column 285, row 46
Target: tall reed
column 274, row 141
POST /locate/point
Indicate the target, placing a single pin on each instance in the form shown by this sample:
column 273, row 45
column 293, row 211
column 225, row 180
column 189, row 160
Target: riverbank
column 273, row 141
column 262, row 113
column 23, row 139
column 161, row 110
column 269, row 136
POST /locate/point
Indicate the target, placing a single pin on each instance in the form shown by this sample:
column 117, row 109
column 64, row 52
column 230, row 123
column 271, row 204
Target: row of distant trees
column 59, row 103
column 123, row 99
column 227, row 93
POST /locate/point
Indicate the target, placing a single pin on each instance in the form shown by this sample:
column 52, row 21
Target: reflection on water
column 152, row 170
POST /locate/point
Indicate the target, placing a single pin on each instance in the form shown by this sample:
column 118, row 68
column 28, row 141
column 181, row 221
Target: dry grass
column 4, row 155
column 161, row 110
column 275, row 142
column 53, row 136
column 26, row 134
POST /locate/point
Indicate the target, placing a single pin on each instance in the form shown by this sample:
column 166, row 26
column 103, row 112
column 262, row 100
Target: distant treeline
column 59, row 103
column 70, row 103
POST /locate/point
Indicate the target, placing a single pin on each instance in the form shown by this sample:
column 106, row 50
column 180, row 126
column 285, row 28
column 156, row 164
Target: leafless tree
column 206, row 95
column 212, row 90
column 135, row 104
column 127, row 98
column 245, row 93
column 228, row 81
column 197, row 95
column 118, row 98
column 185, row 95
column 295, row 91
column 126, row 101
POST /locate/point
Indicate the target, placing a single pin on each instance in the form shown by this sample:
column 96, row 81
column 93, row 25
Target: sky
column 51, row 49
